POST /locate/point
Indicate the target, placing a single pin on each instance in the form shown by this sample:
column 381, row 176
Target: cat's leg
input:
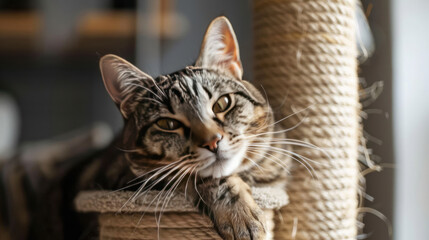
column 230, row 205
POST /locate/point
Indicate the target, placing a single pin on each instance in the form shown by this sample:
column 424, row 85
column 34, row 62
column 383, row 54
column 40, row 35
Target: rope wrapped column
column 305, row 58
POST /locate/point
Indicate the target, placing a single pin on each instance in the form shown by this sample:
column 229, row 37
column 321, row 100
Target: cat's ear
column 220, row 49
column 121, row 78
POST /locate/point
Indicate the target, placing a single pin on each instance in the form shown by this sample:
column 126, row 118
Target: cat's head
column 201, row 119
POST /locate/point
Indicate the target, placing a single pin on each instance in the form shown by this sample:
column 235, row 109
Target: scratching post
column 305, row 57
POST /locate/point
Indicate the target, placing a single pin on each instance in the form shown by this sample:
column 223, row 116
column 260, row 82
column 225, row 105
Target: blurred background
column 50, row 82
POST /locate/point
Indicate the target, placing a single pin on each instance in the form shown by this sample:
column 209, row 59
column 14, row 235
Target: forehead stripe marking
column 195, row 87
column 178, row 94
column 208, row 92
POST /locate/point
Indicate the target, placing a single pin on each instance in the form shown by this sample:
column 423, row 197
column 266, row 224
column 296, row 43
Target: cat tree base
column 139, row 219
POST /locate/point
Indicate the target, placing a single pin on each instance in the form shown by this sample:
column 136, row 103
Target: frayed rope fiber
column 305, row 58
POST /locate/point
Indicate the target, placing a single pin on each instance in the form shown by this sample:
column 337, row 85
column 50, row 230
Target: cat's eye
column 222, row 104
column 168, row 124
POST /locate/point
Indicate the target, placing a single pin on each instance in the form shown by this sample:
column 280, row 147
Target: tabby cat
column 202, row 124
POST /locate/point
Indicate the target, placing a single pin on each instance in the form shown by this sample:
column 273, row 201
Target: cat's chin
column 222, row 165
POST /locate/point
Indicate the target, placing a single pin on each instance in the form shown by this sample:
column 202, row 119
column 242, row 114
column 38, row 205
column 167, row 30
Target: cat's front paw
column 242, row 222
column 235, row 213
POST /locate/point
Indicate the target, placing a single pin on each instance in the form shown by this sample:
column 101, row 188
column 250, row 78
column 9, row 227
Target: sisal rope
column 305, row 58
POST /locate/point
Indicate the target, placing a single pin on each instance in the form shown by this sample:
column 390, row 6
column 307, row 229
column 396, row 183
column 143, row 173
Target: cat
column 203, row 123
column 206, row 121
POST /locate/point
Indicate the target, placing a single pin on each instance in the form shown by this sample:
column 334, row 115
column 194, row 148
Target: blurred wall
column 378, row 124
column 410, row 21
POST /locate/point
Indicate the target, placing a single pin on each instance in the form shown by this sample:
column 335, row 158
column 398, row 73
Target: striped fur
column 222, row 179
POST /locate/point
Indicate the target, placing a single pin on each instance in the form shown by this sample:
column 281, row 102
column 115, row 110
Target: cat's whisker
column 167, row 196
column 158, row 88
column 276, row 132
column 279, row 162
column 159, row 179
column 144, row 182
column 196, row 189
column 266, row 95
column 281, row 150
column 137, row 193
column 182, row 158
column 187, row 172
column 267, row 108
column 143, row 186
column 300, row 159
column 290, row 141
column 265, row 133
column 189, row 177
column 282, row 103
column 153, row 100
column 255, row 164
column 264, row 127
column 293, row 143
column 169, row 183
column 157, row 171
column 286, row 151
column 288, row 116
column 302, row 144
column 145, row 88
column 173, row 189
column 282, row 130
column 183, row 172
column 292, row 155
column 158, row 196
column 175, row 180
column 127, row 150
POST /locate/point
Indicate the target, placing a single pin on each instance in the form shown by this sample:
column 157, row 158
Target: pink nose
column 212, row 145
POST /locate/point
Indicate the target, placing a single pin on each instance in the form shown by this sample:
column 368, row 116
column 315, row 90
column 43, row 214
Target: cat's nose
column 212, row 144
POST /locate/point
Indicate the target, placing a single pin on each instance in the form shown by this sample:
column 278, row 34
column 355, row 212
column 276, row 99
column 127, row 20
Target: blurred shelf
column 107, row 24
column 23, row 32
column 19, row 24
column 19, row 31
